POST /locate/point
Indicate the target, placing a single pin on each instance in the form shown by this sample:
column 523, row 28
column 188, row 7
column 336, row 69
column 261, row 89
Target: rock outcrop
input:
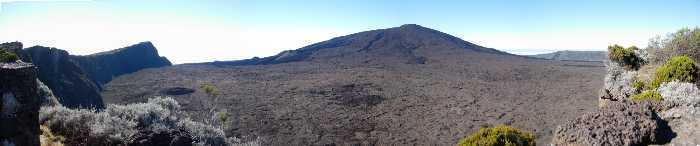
column 103, row 67
column 76, row 80
column 684, row 117
column 64, row 77
column 19, row 109
column 622, row 120
column 684, row 121
column 618, row 84
column 618, row 123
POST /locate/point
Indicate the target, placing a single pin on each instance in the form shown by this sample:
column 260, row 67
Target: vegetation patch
column 680, row 68
column 47, row 138
column 639, row 85
column 156, row 122
column 685, row 41
column 210, row 90
column 651, row 95
column 680, row 93
column 6, row 56
column 625, row 56
column 500, row 135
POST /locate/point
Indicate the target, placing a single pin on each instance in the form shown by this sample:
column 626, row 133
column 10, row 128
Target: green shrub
column 639, row 85
column 680, row 68
column 223, row 117
column 6, row 56
column 625, row 56
column 500, row 135
column 647, row 95
column 209, row 90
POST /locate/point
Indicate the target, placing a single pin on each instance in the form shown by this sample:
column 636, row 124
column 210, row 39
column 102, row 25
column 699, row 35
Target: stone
column 617, row 123
column 685, row 123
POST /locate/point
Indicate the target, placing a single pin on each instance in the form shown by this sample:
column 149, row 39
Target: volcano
column 407, row 85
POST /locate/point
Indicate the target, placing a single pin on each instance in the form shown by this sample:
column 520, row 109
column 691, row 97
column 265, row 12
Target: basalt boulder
column 617, row 123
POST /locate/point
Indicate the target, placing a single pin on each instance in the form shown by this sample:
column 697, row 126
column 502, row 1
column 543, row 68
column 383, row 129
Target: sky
column 188, row 31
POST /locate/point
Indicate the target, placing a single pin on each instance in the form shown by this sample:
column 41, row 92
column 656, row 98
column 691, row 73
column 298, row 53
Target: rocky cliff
column 64, row 77
column 76, row 80
column 19, row 109
column 103, row 67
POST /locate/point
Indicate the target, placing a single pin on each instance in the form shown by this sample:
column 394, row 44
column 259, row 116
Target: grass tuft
column 500, row 135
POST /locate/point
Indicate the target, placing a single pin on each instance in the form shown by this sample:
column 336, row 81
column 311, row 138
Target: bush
column 639, row 85
column 152, row 123
column 683, row 42
column 47, row 138
column 680, row 68
column 500, row 135
column 46, row 95
column 679, row 93
column 647, row 95
column 625, row 56
column 210, row 90
column 6, row 56
column 618, row 82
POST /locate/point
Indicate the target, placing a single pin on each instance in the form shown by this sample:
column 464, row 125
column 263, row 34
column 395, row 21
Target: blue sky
column 208, row 30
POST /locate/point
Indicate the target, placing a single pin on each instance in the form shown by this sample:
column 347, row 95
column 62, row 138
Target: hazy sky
column 208, row 30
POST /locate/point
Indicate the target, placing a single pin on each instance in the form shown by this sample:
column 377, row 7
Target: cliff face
column 103, row 67
column 76, row 80
column 19, row 107
column 64, row 77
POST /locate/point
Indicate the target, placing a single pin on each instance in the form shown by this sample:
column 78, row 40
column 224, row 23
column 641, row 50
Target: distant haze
column 209, row 30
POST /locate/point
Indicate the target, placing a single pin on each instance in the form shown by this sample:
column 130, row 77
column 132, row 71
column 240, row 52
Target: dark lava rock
column 177, row 91
column 103, row 67
column 351, row 95
column 618, row 123
column 64, row 77
column 19, row 109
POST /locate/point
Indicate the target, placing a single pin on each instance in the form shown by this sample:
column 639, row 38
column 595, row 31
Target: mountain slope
column 407, row 85
column 400, row 43
column 574, row 55
column 102, row 67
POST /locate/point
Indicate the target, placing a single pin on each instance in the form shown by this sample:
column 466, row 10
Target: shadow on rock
column 664, row 134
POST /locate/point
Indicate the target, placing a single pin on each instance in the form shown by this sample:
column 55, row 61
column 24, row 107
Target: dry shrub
column 130, row 124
